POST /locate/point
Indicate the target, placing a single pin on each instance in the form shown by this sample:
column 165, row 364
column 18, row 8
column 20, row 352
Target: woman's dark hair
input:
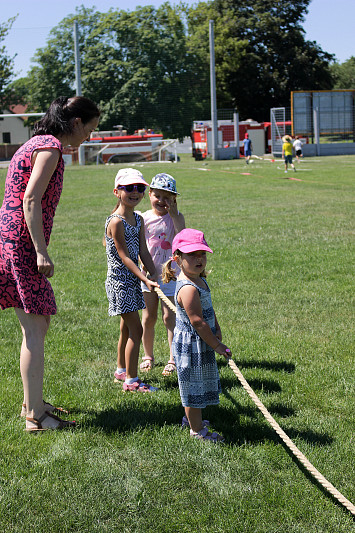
column 62, row 111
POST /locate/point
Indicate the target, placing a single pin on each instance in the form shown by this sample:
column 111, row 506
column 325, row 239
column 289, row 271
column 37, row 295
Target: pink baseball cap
column 190, row 240
column 129, row 176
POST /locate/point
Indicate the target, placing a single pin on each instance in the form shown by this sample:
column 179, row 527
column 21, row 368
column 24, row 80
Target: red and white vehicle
column 202, row 137
column 118, row 147
column 259, row 134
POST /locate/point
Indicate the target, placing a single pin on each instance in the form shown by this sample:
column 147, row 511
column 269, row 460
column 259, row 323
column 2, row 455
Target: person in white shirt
column 297, row 145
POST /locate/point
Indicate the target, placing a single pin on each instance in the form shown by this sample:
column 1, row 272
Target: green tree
column 137, row 65
column 344, row 74
column 261, row 53
column 53, row 73
column 6, row 62
column 157, row 79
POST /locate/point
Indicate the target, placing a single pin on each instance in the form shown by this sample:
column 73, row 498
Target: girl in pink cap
column 125, row 243
column 197, row 335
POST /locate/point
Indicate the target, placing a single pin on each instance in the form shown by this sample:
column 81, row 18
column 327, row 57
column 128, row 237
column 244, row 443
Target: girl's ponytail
column 168, row 273
column 117, row 206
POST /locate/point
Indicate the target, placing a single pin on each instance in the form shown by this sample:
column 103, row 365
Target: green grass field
column 282, row 284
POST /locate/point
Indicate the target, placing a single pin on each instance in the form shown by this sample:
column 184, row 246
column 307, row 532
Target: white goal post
column 149, row 150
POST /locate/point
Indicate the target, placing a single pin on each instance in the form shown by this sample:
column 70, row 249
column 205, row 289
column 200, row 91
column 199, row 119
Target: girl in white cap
column 197, row 335
column 125, row 242
column 162, row 222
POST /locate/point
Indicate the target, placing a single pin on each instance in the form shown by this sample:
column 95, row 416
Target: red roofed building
column 12, row 129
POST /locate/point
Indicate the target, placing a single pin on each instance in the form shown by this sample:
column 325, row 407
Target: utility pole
column 81, row 150
column 77, row 60
column 213, row 94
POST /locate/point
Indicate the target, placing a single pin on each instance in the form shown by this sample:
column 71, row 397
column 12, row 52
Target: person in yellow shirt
column 287, row 152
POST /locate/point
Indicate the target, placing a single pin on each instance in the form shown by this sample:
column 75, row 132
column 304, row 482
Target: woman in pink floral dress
column 32, row 191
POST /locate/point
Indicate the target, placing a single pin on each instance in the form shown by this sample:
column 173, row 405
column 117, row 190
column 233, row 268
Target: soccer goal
column 133, row 151
column 278, row 129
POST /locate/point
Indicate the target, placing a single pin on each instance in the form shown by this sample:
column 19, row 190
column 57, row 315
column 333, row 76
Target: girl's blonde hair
column 169, row 274
column 117, row 205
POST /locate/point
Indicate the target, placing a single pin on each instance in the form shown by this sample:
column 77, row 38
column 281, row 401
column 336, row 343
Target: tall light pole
column 213, row 95
column 77, row 60
column 81, row 150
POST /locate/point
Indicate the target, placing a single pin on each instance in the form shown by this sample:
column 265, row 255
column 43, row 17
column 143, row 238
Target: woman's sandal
column 204, row 434
column 169, row 369
column 147, row 363
column 63, row 424
column 48, row 407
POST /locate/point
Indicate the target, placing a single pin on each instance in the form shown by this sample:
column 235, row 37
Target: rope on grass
column 280, row 432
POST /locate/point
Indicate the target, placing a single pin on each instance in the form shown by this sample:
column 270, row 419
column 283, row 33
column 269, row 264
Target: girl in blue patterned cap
column 162, row 222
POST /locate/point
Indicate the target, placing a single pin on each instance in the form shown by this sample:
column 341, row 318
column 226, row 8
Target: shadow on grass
column 265, row 385
column 242, row 431
column 234, row 424
column 127, row 418
column 281, row 366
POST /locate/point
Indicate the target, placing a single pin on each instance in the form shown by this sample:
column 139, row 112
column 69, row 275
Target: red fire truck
column 259, row 133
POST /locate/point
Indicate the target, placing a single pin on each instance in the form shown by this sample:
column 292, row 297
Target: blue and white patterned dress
column 195, row 360
column 123, row 288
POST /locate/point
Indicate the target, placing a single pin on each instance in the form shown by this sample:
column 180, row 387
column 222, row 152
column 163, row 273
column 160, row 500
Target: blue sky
column 328, row 23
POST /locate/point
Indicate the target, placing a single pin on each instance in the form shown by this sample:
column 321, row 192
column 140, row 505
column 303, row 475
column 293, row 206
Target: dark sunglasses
column 131, row 188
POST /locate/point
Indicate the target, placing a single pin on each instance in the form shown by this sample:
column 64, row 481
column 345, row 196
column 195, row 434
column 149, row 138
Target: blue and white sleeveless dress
column 195, row 360
column 123, row 288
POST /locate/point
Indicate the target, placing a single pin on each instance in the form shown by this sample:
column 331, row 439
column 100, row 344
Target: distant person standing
column 247, row 148
column 297, row 145
column 287, row 152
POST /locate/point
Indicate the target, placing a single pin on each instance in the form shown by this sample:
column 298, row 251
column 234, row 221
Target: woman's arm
column 115, row 230
column 189, row 299
column 45, row 163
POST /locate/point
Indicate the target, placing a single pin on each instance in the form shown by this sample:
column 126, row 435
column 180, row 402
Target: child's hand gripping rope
column 222, row 349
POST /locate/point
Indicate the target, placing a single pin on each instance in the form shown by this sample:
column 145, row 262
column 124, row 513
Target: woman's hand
column 45, row 265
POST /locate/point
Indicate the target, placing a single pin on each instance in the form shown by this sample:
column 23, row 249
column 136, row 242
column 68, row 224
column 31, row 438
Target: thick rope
column 290, row 445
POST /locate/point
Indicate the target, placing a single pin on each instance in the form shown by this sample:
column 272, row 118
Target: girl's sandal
column 147, row 363
column 63, row 424
column 204, row 434
column 185, row 423
column 48, row 407
column 169, row 369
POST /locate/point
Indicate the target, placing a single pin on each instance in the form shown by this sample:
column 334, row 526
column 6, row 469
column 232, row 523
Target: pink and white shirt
column 159, row 234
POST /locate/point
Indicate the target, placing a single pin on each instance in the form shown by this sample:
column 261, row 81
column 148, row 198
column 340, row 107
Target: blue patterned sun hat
column 165, row 182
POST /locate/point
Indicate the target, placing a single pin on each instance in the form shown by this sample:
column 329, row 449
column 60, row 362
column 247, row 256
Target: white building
column 12, row 129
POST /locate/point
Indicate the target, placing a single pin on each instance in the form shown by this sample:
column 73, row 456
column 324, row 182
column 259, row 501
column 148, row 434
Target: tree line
column 150, row 67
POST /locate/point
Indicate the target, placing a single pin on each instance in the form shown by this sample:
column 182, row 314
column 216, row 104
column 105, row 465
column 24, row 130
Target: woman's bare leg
column 34, row 330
